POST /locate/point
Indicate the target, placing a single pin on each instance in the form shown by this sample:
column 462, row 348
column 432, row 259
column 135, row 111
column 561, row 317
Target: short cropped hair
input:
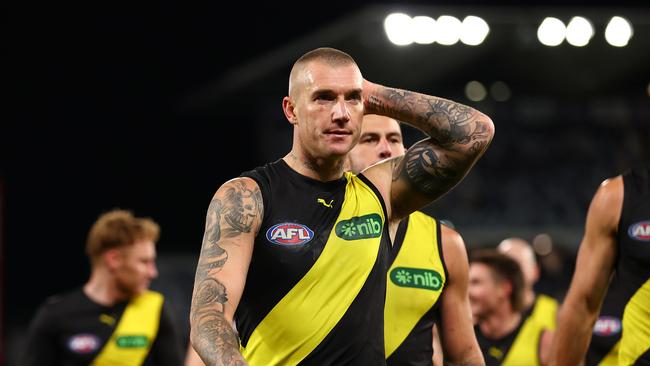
column 503, row 268
column 119, row 228
column 328, row 55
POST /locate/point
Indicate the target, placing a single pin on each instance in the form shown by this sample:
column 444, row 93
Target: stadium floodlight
column 398, row 29
column 475, row 91
column 448, row 30
column 474, row 30
column 424, row 29
column 579, row 32
column 618, row 31
column 551, row 32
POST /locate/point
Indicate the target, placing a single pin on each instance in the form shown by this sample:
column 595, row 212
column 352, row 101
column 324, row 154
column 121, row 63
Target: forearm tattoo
column 227, row 217
column 458, row 136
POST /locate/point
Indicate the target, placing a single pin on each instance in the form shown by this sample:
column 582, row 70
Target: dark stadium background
column 151, row 107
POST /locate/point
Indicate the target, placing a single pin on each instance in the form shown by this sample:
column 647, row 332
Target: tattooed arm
column 232, row 221
column 458, row 136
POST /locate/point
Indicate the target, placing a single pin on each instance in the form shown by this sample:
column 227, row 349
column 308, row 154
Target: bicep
column 595, row 262
column 457, row 332
column 232, row 221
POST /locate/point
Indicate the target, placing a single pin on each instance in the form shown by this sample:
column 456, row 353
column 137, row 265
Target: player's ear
column 112, row 258
column 507, row 287
column 289, row 110
column 536, row 273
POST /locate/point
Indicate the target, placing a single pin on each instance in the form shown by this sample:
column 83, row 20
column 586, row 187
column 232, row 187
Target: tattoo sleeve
column 230, row 214
column 458, row 136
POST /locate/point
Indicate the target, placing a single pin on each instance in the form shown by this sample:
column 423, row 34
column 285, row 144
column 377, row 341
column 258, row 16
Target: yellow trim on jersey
column 321, row 298
column 635, row 340
column 545, row 312
column 131, row 341
column 525, row 348
column 405, row 306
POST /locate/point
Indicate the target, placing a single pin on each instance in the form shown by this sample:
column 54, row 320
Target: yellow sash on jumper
column 311, row 309
column 132, row 339
column 415, row 280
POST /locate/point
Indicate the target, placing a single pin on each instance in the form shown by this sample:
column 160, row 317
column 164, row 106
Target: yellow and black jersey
column 416, row 279
column 521, row 346
column 544, row 312
column 316, row 286
column 632, row 279
column 71, row 329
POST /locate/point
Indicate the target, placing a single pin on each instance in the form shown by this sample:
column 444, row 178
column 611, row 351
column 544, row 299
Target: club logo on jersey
column 324, row 203
column 132, row 341
column 495, row 352
column 107, row 319
column 417, row 278
column 607, row 326
column 289, row 234
column 640, row 231
column 359, row 227
column 83, row 343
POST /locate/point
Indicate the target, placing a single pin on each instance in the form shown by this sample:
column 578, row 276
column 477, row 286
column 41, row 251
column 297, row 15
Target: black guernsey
column 628, row 297
column 632, row 280
column 315, row 287
column 71, row 330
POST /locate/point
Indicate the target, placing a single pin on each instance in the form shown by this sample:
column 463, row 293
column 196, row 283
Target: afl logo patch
column 607, row 326
column 83, row 343
column 289, row 234
column 640, row 231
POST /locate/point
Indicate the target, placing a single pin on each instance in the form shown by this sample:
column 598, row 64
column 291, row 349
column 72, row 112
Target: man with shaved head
column 521, row 251
column 540, row 311
column 292, row 269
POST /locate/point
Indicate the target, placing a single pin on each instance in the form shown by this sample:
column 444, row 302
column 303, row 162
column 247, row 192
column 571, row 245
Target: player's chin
column 340, row 146
column 339, row 150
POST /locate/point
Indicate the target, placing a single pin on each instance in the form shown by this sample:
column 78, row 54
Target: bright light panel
column 474, row 30
column 551, row 32
column 579, row 32
column 424, row 29
column 398, row 29
column 448, row 30
column 475, row 91
column 618, row 32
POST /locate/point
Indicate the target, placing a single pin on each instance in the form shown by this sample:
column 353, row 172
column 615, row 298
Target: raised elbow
column 488, row 126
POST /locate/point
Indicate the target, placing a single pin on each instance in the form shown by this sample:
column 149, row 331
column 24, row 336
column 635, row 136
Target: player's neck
column 315, row 168
column 500, row 323
column 101, row 289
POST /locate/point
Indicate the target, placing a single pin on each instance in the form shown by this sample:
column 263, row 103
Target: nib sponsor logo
column 416, row 277
column 360, row 227
column 132, row 341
